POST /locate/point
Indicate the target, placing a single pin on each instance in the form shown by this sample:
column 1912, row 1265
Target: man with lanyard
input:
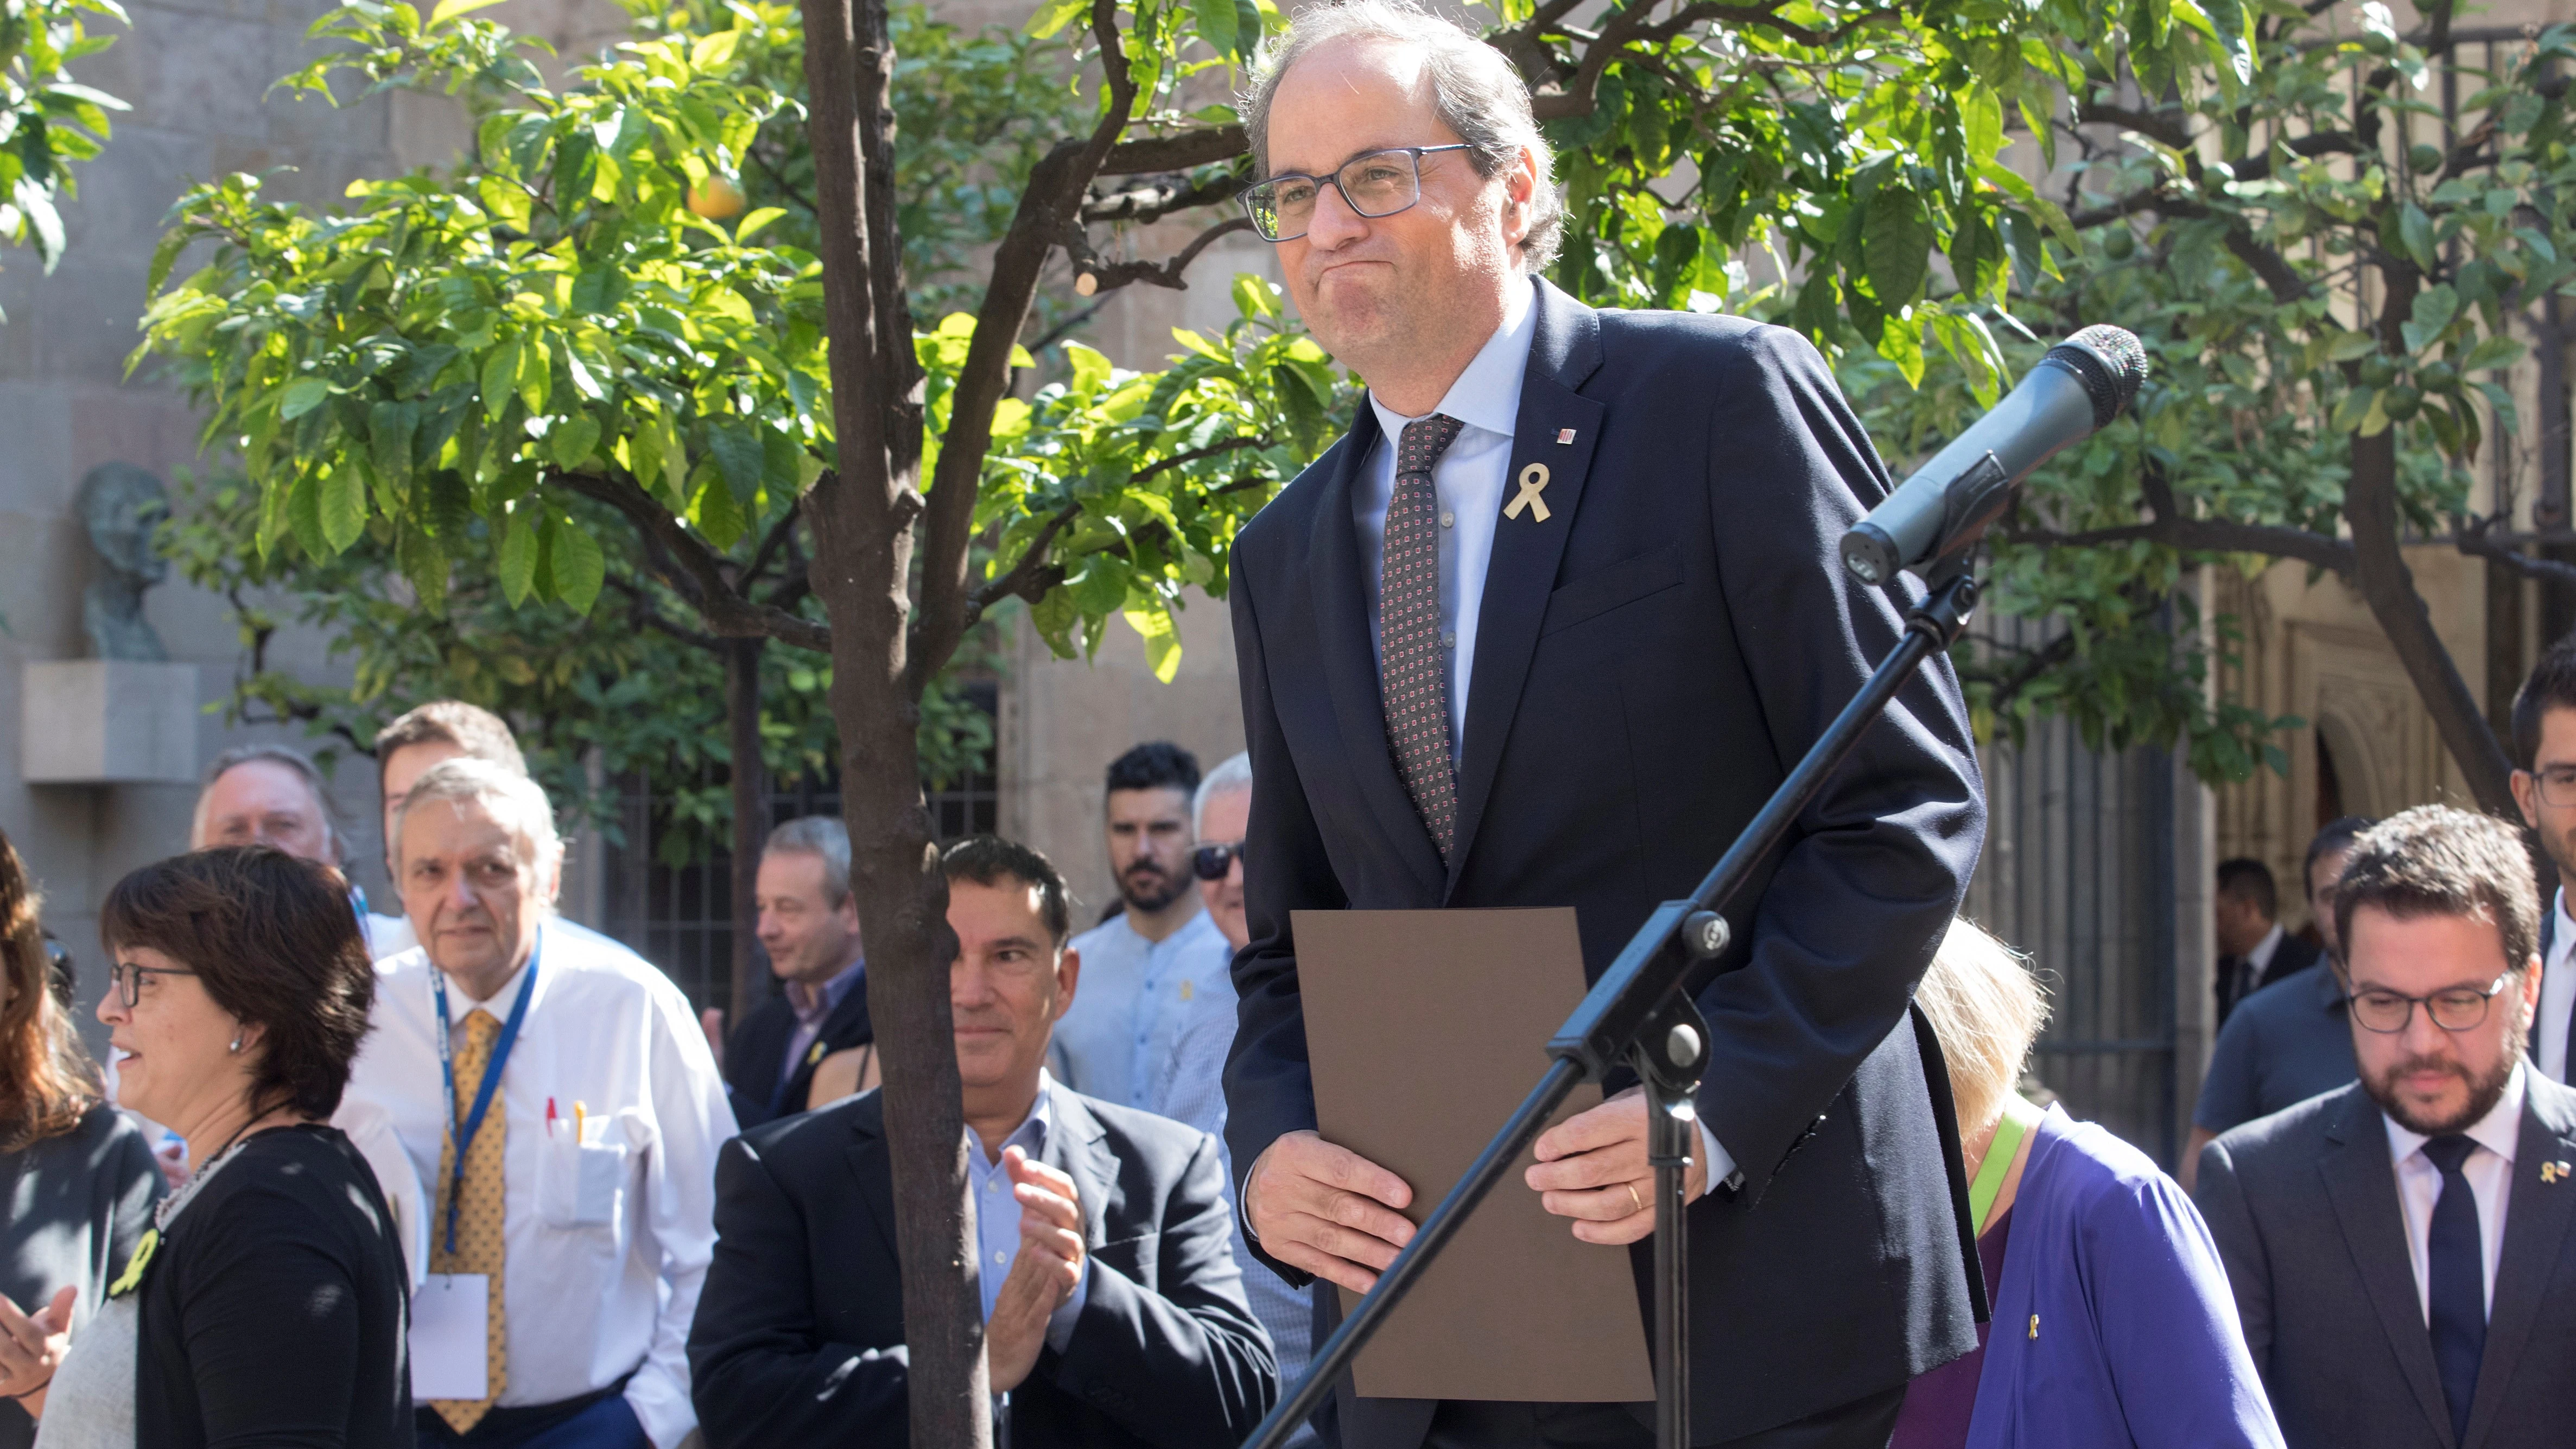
column 558, row 1100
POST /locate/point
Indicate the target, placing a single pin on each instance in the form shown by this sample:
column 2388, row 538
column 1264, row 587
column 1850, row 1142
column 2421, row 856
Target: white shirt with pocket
column 608, row 1233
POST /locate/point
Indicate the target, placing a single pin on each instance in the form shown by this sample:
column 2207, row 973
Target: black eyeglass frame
column 2486, row 1003
column 127, row 977
column 1222, row 857
column 1413, row 154
column 2565, row 794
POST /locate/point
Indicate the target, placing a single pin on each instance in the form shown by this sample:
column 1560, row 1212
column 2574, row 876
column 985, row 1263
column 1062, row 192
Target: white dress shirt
column 2259, row 960
column 1470, row 479
column 2489, row 1170
column 588, row 1302
column 2557, row 993
column 997, row 1214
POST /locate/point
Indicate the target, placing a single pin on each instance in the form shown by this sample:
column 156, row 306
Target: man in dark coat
column 1546, row 629
column 809, row 924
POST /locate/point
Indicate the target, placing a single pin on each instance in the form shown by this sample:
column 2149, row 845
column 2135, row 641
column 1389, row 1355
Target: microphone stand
column 1640, row 1013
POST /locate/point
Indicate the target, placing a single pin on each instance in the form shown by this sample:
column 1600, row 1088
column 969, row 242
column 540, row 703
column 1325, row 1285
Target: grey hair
column 818, row 835
column 1234, row 774
column 515, row 802
column 1473, row 88
column 286, row 757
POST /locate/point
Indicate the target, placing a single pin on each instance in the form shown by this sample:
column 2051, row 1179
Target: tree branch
column 652, row 617
column 1049, row 207
column 1031, row 577
column 2205, row 535
column 1174, row 153
column 1159, row 198
column 1106, row 276
column 693, row 570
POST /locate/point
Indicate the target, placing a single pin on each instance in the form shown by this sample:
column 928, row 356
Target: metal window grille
column 682, row 918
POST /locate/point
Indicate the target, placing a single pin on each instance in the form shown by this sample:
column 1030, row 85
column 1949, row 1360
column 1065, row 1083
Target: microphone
column 2077, row 389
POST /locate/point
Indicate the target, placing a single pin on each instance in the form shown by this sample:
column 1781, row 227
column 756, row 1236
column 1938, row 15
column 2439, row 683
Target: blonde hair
column 1987, row 1009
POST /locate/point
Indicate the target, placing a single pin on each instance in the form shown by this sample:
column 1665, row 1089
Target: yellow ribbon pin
column 132, row 1278
column 815, row 1053
column 1533, row 482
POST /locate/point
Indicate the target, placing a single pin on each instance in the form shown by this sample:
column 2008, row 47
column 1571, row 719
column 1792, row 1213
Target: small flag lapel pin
column 1565, row 437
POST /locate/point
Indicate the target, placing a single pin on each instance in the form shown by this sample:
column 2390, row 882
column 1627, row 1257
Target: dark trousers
column 1865, row 1424
column 601, row 1422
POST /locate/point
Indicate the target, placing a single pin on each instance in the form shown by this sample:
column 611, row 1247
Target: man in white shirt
column 2544, row 743
column 554, row 1094
column 2398, row 1249
column 1146, row 970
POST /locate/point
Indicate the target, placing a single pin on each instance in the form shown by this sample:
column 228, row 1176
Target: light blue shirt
column 997, row 1216
column 1133, row 1002
column 1469, row 479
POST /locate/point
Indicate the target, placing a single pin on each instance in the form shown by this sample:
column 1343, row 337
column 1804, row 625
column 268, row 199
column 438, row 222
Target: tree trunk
column 750, row 816
column 861, row 515
column 2388, row 586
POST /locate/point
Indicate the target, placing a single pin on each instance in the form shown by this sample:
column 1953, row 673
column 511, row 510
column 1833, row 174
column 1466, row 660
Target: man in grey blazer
column 2400, row 1249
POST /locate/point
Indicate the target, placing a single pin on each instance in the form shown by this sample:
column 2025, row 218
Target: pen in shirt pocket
column 550, row 1117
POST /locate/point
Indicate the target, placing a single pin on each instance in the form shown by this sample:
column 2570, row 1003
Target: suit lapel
column 1073, row 1148
column 2537, row 1219
column 1564, row 350
column 1340, row 613
column 2361, row 1182
column 873, row 1167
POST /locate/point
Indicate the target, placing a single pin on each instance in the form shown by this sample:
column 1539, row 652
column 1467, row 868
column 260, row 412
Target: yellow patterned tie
column 478, row 1215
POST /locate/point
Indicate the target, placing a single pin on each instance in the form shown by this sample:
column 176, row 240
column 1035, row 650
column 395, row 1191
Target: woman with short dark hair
column 269, row 1305
column 77, row 1180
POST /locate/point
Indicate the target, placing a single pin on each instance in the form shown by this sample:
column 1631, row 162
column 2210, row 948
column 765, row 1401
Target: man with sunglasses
column 1547, row 628
column 2399, row 1249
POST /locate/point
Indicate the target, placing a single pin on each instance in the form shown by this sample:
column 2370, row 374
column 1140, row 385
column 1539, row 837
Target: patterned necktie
column 478, row 1217
column 1413, row 660
column 2455, row 1274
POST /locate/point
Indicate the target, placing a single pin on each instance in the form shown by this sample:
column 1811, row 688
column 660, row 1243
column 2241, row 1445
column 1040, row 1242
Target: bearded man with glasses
column 2399, row 1248
column 1547, row 628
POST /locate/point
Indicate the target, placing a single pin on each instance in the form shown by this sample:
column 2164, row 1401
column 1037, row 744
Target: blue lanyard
column 462, row 1133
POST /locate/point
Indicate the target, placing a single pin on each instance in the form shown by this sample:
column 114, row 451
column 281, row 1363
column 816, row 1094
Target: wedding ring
column 1632, row 1196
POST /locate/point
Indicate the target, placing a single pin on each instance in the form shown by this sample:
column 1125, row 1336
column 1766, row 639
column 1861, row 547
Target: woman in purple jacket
column 2113, row 1323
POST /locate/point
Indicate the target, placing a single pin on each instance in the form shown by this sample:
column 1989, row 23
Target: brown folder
column 1425, row 1029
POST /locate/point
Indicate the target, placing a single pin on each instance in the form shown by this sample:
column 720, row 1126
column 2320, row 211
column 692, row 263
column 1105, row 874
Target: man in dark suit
column 1114, row 1313
column 2253, row 950
column 1546, row 629
column 2403, row 1251
column 809, row 924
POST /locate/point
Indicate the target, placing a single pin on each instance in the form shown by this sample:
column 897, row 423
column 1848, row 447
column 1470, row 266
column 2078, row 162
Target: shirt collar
column 1031, row 1135
column 2564, row 937
column 2261, row 955
column 2498, row 1131
column 803, row 999
column 1488, row 394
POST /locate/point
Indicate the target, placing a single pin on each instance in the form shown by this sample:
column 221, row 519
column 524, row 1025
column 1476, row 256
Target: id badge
column 451, row 1337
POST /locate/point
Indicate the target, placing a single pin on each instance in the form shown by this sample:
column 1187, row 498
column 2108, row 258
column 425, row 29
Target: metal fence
column 2079, row 872
column 682, row 918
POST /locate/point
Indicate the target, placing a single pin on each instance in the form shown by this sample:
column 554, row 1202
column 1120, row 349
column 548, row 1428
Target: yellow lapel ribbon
column 1533, row 482
column 133, row 1275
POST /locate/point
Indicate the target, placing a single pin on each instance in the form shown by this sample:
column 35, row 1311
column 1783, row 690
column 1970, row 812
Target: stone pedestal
column 108, row 722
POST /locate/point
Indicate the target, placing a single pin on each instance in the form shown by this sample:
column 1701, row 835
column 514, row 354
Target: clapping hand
column 31, row 1347
column 1043, row 1275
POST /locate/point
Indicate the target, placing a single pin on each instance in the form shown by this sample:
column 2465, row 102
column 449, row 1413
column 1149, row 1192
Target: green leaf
column 737, row 454
column 342, row 505
column 450, row 9
column 1162, row 642
column 1216, row 24
column 500, row 377
column 304, row 515
column 1981, row 120
column 302, row 396
column 571, row 440
column 518, row 563
column 2497, row 350
column 1896, row 246
column 579, row 567
column 424, row 564
column 1053, row 17
column 751, row 225
column 2415, row 230
column 390, row 426
column 716, row 514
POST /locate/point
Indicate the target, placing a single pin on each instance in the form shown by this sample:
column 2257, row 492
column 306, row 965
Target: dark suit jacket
column 2236, row 981
column 1650, row 663
column 2304, row 1206
column 752, row 1058
column 799, row 1334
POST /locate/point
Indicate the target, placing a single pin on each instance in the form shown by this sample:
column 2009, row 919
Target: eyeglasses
column 2557, row 785
column 2457, row 1009
column 129, row 975
column 1380, row 183
column 1211, row 862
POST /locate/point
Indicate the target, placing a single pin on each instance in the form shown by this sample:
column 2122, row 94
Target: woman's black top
column 274, row 1311
column 75, row 1205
